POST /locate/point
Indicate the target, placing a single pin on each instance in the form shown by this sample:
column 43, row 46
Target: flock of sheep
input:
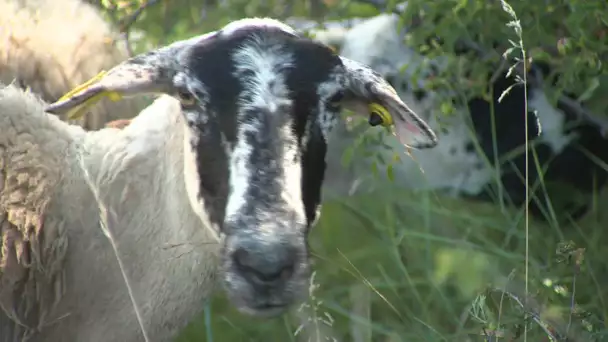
column 192, row 200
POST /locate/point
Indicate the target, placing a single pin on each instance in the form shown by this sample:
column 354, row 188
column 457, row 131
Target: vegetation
column 417, row 266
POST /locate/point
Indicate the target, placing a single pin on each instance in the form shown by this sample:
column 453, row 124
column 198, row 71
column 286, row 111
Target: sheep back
column 33, row 242
column 52, row 46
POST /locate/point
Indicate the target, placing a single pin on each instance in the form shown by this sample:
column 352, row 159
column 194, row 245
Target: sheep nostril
column 265, row 271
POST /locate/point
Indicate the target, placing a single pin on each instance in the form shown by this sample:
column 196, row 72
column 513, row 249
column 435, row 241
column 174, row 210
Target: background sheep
column 569, row 146
column 230, row 159
column 51, row 46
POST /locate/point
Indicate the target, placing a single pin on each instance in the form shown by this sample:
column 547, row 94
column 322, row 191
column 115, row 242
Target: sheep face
column 259, row 103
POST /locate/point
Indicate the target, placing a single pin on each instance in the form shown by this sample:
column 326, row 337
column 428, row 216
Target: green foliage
column 571, row 36
column 423, row 267
column 433, row 265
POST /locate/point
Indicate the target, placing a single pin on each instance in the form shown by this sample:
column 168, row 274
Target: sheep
column 54, row 45
column 456, row 166
column 215, row 184
column 330, row 33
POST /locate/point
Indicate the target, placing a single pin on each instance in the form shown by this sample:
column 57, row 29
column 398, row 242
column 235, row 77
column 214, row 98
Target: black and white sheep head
column 259, row 102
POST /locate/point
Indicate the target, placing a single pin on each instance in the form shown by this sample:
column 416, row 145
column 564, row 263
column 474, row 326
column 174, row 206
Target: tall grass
column 519, row 46
column 471, row 286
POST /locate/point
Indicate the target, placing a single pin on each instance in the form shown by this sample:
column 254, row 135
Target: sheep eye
column 185, row 97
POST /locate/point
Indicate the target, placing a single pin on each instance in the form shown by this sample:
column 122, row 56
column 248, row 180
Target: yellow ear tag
column 387, row 119
column 78, row 111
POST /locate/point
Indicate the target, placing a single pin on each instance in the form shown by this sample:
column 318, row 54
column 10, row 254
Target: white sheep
column 219, row 179
column 51, row 46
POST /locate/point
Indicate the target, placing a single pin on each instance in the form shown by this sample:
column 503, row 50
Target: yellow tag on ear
column 83, row 86
column 387, row 119
column 78, row 111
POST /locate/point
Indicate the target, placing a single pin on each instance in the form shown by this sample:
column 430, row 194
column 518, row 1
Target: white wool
column 52, row 46
column 45, row 202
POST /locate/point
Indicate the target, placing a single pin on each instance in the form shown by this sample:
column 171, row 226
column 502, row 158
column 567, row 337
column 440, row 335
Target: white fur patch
column 258, row 65
column 239, row 173
column 192, row 178
column 551, row 120
column 292, row 187
column 256, row 22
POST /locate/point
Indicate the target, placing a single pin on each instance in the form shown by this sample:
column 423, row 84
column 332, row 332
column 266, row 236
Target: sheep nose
column 268, row 267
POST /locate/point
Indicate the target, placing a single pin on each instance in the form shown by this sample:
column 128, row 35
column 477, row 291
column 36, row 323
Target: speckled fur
column 59, row 276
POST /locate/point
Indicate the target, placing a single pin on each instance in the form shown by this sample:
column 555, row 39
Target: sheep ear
column 150, row 72
column 374, row 97
column 129, row 78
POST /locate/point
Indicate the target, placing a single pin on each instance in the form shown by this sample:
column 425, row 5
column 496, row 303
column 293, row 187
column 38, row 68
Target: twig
column 576, row 107
column 534, row 314
column 531, row 309
column 180, row 244
column 361, row 308
column 126, row 23
column 314, row 326
column 555, row 327
column 105, row 226
column 175, row 245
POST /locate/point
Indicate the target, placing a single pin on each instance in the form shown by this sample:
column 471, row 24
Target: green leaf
column 446, row 108
column 390, row 173
column 347, row 156
column 586, row 95
column 375, row 169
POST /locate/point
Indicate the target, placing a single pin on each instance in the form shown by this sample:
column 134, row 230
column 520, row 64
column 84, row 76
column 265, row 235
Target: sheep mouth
column 255, row 291
column 263, row 303
column 268, row 310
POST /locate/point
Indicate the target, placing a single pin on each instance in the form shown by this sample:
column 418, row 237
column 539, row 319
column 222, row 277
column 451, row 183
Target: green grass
column 426, row 262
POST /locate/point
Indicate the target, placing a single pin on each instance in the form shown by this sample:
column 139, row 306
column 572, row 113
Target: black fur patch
column 210, row 62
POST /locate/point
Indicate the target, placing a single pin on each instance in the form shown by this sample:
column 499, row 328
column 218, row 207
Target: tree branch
column 126, row 23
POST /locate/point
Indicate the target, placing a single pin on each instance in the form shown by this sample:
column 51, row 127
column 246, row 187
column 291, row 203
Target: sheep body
column 54, row 45
column 75, row 290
